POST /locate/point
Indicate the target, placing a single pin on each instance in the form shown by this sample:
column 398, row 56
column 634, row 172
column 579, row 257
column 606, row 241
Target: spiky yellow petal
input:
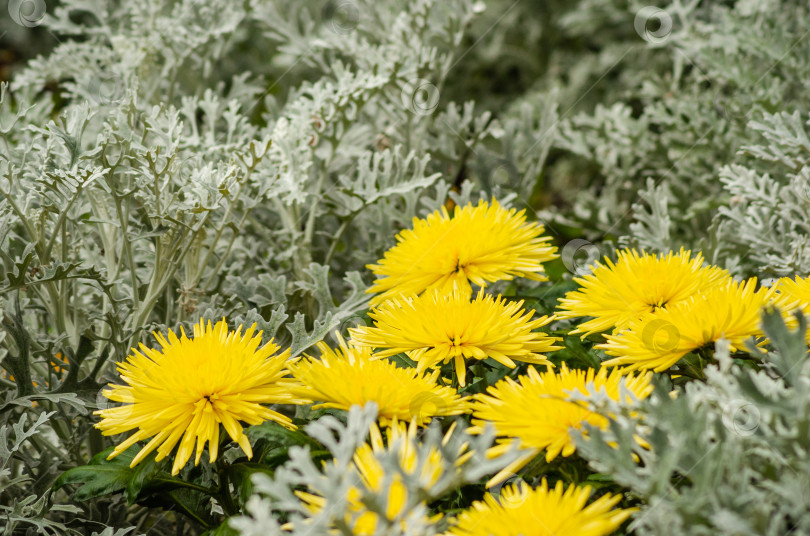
column 348, row 376
column 480, row 244
column 538, row 410
column 183, row 392
column 519, row 510
column 616, row 294
column 437, row 328
column 731, row 311
column 793, row 295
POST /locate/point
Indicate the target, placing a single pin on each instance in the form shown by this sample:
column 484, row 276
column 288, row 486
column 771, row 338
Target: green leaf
column 240, row 475
column 144, row 477
column 271, row 442
column 599, row 477
column 223, row 530
column 100, row 476
column 192, row 503
column 279, row 435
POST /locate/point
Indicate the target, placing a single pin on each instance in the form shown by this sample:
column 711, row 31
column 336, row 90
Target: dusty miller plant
column 727, row 456
column 274, row 496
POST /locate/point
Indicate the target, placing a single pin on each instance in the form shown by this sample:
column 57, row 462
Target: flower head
column 479, row 244
column 538, row 411
column 438, row 328
column 793, row 295
column 401, row 438
column 731, row 311
column 401, row 441
column 616, row 294
column 553, row 512
column 182, row 392
column 349, row 375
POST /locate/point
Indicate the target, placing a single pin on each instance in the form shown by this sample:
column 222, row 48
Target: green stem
column 335, row 240
column 155, row 289
column 201, row 267
column 38, row 246
column 224, row 496
column 190, row 485
column 309, row 230
column 225, row 255
column 26, row 223
column 60, row 225
column 127, row 250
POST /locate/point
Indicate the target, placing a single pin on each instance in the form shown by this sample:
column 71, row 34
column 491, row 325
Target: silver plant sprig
column 274, row 496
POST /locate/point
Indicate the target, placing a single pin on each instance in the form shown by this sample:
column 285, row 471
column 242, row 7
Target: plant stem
column 224, row 495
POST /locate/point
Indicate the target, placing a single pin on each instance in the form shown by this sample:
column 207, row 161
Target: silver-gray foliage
column 276, row 495
column 728, row 456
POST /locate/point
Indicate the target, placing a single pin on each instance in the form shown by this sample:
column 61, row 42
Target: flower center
column 459, row 266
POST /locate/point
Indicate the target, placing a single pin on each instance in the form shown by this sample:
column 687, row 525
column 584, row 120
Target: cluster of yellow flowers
column 426, row 308
column 652, row 309
column 658, row 308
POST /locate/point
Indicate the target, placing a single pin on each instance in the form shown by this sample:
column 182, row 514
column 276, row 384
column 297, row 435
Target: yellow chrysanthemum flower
column 731, row 311
column 479, row 244
column 403, row 438
column 537, row 410
column 437, row 328
column 521, row 511
column 793, row 295
column 349, row 376
column 189, row 387
column 616, row 294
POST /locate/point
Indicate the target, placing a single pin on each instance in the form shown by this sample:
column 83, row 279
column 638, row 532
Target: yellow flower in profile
column 437, row 328
column 182, row 392
column 371, row 473
column 349, row 376
column 793, row 295
column 481, row 244
column 520, row 511
column 538, row 411
column 731, row 311
column 616, row 294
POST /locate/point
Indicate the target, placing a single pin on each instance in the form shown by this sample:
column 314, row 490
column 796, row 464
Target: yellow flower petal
column 616, row 294
column 182, row 392
column 437, row 328
column 348, row 376
column 481, row 244
column 538, row 411
column 731, row 311
column 519, row 510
